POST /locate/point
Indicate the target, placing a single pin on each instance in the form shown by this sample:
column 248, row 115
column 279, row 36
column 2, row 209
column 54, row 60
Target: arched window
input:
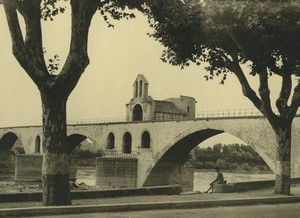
column 127, row 143
column 38, row 144
column 145, row 140
column 110, row 142
column 137, row 113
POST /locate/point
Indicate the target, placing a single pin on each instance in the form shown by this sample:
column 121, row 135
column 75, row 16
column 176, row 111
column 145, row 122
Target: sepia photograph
column 150, row 108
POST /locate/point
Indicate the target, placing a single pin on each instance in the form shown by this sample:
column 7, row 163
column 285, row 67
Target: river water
column 201, row 179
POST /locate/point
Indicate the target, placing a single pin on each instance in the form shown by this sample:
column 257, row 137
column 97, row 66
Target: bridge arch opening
column 84, row 147
column 110, row 142
column 137, row 113
column 127, row 143
column 73, row 141
column 250, row 143
column 37, row 144
column 229, row 153
column 7, row 141
column 145, row 142
column 165, row 171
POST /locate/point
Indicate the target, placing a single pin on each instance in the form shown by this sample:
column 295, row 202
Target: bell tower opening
column 140, row 87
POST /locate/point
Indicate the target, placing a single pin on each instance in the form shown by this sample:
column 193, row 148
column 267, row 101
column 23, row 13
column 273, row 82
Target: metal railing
column 229, row 113
column 97, row 120
column 119, row 154
column 232, row 113
column 213, row 114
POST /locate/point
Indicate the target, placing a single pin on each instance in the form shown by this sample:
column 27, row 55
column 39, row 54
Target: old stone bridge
column 154, row 143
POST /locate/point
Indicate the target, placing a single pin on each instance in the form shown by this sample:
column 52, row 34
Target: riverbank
column 235, row 171
column 86, row 175
column 91, row 167
column 153, row 202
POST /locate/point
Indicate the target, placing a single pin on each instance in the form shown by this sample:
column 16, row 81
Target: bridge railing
column 232, row 113
column 97, row 120
column 229, row 113
column 118, row 154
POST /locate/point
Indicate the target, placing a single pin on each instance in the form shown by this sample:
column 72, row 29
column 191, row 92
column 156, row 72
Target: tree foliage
column 264, row 34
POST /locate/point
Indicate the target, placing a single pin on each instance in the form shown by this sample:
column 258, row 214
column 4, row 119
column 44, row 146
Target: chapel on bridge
column 143, row 107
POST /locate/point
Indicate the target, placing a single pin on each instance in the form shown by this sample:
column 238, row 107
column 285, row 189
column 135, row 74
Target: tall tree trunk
column 283, row 160
column 55, row 170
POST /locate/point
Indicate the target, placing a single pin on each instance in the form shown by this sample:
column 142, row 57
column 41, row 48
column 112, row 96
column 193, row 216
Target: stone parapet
column 246, row 186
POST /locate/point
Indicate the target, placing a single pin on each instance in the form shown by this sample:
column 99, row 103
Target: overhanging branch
column 246, row 88
column 264, row 90
column 31, row 11
column 20, row 50
column 295, row 104
column 77, row 59
column 285, row 92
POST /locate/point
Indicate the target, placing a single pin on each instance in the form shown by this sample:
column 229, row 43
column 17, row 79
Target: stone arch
column 261, row 137
column 110, row 142
column 37, row 144
column 73, row 141
column 255, row 142
column 127, row 143
column 167, row 161
column 137, row 113
column 145, row 140
column 174, row 156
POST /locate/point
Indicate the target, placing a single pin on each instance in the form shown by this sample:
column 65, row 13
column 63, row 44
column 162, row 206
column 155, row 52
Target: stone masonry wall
column 116, row 172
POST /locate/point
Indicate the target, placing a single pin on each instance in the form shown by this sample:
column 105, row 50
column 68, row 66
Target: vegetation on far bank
column 86, row 158
column 232, row 157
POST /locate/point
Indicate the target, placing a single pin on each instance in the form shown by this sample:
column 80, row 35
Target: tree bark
column 283, row 157
column 281, row 124
column 55, row 173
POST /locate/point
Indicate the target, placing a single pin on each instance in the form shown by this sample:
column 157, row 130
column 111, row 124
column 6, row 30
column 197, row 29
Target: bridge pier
column 116, row 172
column 7, row 162
column 122, row 172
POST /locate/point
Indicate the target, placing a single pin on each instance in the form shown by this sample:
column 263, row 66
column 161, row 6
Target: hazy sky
column 117, row 56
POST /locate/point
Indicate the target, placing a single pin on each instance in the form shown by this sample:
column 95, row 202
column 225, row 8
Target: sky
column 117, row 56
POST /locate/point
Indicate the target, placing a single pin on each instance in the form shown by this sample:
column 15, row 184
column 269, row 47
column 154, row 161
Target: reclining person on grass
column 218, row 180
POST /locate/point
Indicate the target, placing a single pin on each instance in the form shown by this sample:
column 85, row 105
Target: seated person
column 218, row 180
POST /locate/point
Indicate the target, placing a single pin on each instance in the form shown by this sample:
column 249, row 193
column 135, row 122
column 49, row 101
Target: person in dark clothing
column 218, row 180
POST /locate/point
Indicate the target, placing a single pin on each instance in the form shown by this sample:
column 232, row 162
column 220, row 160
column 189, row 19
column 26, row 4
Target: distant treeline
column 229, row 157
